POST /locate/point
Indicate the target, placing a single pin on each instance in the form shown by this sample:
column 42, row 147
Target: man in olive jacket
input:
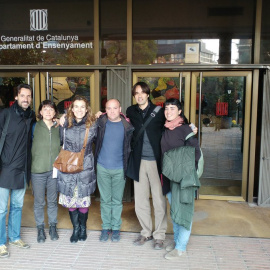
column 16, row 166
column 146, row 166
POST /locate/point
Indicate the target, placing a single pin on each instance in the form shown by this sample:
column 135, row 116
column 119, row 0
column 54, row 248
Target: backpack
column 201, row 160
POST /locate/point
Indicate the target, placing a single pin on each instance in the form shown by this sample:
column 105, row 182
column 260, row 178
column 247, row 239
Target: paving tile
column 204, row 252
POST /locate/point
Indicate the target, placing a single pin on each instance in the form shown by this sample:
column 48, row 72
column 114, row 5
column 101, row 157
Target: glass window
column 265, row 35
column 163, row 88
column 46, row 32
column 8, row 87
column 113, row 32
column 66, row 88
column 166, row 31
column 222, row 134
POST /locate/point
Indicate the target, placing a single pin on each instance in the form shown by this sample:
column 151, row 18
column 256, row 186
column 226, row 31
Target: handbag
column 71, row 162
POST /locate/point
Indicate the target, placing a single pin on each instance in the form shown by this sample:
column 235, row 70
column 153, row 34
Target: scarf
column 177, row 122
column 21, row 112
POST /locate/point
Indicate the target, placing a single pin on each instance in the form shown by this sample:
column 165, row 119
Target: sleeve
column 61, row 134
column 127, row 111
column 2, row 121
column 193, row 141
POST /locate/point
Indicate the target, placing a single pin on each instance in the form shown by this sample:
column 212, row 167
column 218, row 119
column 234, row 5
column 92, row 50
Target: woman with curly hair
column 75, row 188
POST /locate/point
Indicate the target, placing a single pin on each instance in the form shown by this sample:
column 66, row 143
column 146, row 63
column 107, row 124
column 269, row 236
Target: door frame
column 174, row 74
column 93, row 95
column 247, row 124
column 190, row 112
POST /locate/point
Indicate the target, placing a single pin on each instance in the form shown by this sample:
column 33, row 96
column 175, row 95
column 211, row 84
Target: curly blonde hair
column 90, row 117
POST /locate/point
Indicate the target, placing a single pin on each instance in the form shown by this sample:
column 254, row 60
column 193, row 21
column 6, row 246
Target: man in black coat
column 16, row 165
column 146, row 166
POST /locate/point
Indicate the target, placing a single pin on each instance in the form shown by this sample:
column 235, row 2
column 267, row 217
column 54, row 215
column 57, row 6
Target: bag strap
column 4, row 132
column 85, row 138
column 84, row 141
column 152, row 115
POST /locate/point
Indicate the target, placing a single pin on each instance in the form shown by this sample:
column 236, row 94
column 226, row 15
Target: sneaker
column 170, row 247
column 115, row 236
column 175, row 254
column 19, row 243
column 3, row 252
column 158, row 244
column 141, row 240
column 104, row 235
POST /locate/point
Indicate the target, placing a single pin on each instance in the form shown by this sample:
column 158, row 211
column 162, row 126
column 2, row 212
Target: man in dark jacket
column 146, row 167
column 112, row 151
column 16, row 165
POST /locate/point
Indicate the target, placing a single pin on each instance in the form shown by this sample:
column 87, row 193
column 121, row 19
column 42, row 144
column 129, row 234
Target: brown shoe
column 158, row 244
column 141, row 240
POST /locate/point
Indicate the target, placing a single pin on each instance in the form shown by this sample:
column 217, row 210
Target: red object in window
column 66, row 104
column 161, row 104
column 11, row 103
column 222, row 108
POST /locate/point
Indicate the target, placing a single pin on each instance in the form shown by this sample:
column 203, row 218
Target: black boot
column 83, row 219
column 41, row 234
column 53, row 232
column 74, row 217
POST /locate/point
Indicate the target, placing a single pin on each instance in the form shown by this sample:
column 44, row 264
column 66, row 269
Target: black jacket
column 154, row 133
column 16, row 153
column 128, row 129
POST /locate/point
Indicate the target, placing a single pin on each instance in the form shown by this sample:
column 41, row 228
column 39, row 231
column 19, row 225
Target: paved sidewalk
column 204, row 252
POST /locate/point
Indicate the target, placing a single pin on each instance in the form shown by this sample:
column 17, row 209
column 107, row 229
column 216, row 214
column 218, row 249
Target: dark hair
column 90, row 117
column 173, row 101
column 143, row 85
column 23, row 85
column 177, row 103
column 48, row 103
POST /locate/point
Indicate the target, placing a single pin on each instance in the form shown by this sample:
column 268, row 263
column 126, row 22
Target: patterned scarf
column 177, row 122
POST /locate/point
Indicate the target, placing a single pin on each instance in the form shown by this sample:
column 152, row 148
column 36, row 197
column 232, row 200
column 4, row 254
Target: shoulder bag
column 71, row 162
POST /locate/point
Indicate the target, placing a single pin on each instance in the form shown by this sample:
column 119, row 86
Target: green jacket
column 179, row 167
column 45, row 147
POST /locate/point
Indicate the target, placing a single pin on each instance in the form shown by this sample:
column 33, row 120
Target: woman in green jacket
column 174, row 136
column 45, row 149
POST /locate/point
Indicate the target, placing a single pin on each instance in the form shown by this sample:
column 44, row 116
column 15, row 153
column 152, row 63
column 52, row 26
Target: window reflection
column 163, row 88
column 66, row 88
column 224, row 33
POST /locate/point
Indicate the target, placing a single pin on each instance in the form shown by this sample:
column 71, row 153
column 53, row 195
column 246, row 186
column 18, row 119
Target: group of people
column 137, row 145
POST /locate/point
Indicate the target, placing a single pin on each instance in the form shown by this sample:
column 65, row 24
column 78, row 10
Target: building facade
column 212, row 55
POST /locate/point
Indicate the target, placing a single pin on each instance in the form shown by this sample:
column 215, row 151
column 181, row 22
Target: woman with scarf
column 175, row 136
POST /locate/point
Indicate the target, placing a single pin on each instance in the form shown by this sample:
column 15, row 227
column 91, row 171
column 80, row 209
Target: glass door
column 165, row 85
column 8, row 83
column 61, row 87
column 220, row 107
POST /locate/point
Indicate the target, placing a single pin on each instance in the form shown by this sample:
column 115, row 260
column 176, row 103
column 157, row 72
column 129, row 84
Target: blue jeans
column 15, row 214
column 181, row 234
